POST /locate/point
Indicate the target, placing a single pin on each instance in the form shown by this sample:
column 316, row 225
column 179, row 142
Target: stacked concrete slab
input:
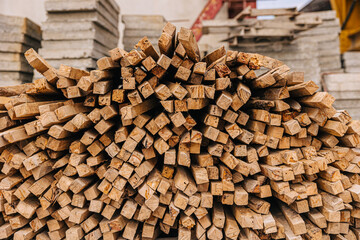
column 77, row 33
column 17, row 34
column 352, row 62
column 326, row 35
column 345, row 87
column 138, row 26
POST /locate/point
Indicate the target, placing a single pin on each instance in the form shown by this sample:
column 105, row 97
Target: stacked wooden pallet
column 137, row 26
column 157, row 142
column 17, row 34
column 352, row 61
column 78, row 33
column 247, row 31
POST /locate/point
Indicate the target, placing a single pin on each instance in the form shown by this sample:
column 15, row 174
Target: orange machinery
column 348, row 12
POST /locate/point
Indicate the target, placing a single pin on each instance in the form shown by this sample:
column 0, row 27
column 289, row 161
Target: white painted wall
column 32, row 9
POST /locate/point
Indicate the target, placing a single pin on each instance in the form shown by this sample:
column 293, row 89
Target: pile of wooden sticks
column 165, row 142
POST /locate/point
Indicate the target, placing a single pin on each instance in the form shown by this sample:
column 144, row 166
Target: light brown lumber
column 187, row 39
column 283, row 223
column 335, row 128
column 145, row 45
column 36, row 61
column 295, row 221
column 167, row 39
column 319, row 99
column 303, row 89
column 14, row 90
column 130, row 112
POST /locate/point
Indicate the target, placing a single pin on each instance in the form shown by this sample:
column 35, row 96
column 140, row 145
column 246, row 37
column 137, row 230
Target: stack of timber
column 161, row 142
column 351, row 61
column 345, row 88
column 306, row 42
column 17, row 34
column 137, row 26
column 78, row 33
